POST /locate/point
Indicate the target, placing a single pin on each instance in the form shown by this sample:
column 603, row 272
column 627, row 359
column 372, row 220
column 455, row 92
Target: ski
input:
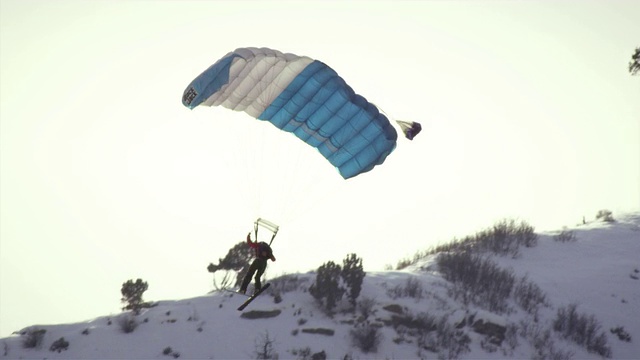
column 255, row 295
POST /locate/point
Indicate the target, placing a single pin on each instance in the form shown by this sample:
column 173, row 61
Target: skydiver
column 263, row 253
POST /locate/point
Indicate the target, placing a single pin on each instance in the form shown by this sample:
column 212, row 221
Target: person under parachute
column 263, row 253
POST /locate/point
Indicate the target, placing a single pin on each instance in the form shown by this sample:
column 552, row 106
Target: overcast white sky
column 527, row 108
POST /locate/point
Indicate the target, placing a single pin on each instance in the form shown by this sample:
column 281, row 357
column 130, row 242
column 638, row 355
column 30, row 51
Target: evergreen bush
column 327, row 289
column 132, row 295
column 353, row 275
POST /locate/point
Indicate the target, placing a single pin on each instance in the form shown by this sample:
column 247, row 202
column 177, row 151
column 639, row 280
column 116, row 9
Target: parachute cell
column 302, row 96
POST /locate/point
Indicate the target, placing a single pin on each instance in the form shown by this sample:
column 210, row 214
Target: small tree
column 237, row 259
column 634, row 64
column 132, row 295
column 327, row 285
column 353, row 276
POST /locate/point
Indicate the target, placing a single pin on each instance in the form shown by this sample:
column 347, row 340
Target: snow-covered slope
column 598, row 272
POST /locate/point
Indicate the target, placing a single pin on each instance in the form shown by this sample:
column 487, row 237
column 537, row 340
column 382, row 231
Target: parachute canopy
column 305, row 97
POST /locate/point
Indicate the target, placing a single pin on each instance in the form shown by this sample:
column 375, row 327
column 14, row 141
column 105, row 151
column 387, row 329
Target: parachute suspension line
column 255, row 230
column 257, row 169
column 409, row 128
column 267, row 225
column 284, row 183
column 383, row 112
column 293, row 177
column 253, row 166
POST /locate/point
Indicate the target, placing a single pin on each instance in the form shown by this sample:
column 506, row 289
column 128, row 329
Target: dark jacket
column 262, row 249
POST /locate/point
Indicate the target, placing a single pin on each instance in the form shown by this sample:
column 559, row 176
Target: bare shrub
column 529, row 296
column 322, row 355
column 127, row 323
column 406, row 262
column 505, row 238
column 582, row 329
column 431, row 334
column 395, row 292
column 511, row 339
column 477, row 280
column 277, row 298
column 412, row 288
column 366, row 337
column 456, row 245
column 420, row 324
column 288, row 283
column 565, row 235
column 365, row 307
column 450, row 342
column 605, row 215
column 542, row 342
column 226, row 282
column 168, row 351
column 487, row 345
column 59, row 345
column 622, row 334
column 302, row 353
column 32, row 338
column 265, row 347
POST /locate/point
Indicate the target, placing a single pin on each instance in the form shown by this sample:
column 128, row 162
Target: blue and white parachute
column 305, row 97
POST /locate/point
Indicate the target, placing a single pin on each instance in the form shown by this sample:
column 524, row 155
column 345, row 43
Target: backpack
column 263, row 246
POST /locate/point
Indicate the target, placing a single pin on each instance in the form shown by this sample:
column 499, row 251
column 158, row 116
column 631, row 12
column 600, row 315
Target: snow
column 598, row 272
